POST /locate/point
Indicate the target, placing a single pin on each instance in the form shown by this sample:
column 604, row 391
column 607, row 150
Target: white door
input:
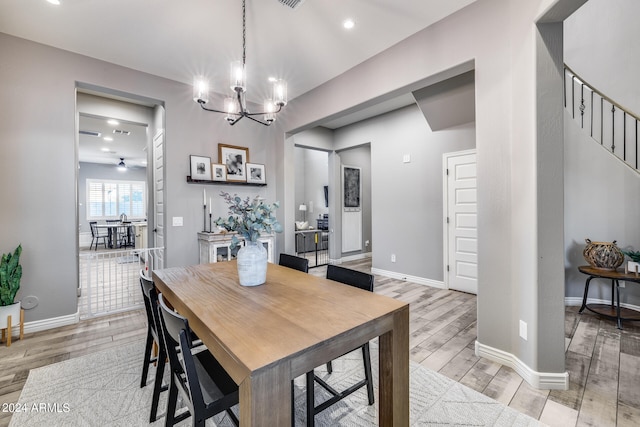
column 461, row 225
column 158, row 193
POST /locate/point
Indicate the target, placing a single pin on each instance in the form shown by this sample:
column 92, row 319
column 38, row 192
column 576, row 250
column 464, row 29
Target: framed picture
column 256, row 174
column 235, row 159
column 218, row 172
column 351, row 188
column 200, row 167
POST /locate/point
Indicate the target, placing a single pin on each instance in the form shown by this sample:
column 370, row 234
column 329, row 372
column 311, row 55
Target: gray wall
column 600, row 192
column 359, row 156
column 601, row 204
column 406, row 198
column 312, row 174
column 101, row 171
column 499, row 39
column 38, row 131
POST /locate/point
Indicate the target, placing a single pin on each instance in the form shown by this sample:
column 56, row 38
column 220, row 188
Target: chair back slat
column 147, row 284
column 350, row 277
column 295, row 262
column 172, row 323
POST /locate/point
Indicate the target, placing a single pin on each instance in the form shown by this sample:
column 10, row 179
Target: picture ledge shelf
column 207, row 181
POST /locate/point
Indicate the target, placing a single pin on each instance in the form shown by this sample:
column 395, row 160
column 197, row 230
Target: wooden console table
column 614, row 310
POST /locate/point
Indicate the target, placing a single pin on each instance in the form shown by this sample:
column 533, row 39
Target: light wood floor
column 603, row 362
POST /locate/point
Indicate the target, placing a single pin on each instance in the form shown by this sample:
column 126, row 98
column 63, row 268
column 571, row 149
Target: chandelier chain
column 244, row 33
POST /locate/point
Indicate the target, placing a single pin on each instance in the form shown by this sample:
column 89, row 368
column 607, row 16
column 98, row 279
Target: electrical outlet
column 393, row 257
column 523, row 330
column 177, row 221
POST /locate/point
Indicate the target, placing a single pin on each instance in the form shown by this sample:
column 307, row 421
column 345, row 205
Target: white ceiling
column 306, row 46
column 178, row 40
column 95, row 149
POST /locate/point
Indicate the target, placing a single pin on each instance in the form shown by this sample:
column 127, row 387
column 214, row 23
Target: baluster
column 624, row 135
column 564, row 87
column 592, row 113
column 573, row 98
column 582, row 106
column 601, row 121
column 613, row 128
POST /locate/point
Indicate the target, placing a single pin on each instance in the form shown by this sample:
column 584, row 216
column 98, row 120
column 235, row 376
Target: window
column 110, row 199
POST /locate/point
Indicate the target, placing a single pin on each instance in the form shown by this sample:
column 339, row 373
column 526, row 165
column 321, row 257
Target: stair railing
column 608, row 123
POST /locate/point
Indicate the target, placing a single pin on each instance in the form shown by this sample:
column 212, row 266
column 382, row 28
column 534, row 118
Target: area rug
column 103, row 389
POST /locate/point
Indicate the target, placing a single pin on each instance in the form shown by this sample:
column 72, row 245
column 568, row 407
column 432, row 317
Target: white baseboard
column 408, row 278
column 577, row 301
column 55, row 322
column 539, row 380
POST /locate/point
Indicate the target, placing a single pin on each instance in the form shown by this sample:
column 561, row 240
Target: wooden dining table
column 265, row 336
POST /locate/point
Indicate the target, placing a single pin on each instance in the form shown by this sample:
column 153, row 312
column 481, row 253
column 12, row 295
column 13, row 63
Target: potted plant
column 634, row 264
column 10, row 275
column 249, row 218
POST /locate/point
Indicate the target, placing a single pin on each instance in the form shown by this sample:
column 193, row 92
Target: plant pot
column 633, row 267
column 12, row 310
column 603, row 255
column 252, row 264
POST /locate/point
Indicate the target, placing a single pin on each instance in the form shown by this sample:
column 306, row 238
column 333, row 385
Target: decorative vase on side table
column 603, row 255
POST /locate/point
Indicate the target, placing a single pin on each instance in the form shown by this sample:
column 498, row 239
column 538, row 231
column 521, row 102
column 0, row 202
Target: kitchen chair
column 96, row 235
column 202, row 382
column 126, row 237
column 295, row 262
column 153, row 344
column 362, row 281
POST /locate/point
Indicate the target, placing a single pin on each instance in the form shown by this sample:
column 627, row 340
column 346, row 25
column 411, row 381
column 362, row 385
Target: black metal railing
column 608, row 123
column 313, row 245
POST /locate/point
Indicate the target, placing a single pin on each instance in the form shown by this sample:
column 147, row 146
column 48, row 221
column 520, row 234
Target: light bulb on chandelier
column 235, row 107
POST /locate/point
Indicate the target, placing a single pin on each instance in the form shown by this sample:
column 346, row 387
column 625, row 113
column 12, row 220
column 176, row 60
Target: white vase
column 12, row 310
column 252, row 264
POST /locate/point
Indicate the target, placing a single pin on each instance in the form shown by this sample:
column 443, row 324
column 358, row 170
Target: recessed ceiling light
column 348, row 23
column 108, row 138
column 105, row 149
column 56, row 2
column 113, row 122
column 272, row 79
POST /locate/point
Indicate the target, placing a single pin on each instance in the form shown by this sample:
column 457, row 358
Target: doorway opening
column 115, row 189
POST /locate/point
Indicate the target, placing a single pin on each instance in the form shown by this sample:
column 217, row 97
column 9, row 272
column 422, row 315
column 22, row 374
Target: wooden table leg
column 394, row 373
column 265, row 398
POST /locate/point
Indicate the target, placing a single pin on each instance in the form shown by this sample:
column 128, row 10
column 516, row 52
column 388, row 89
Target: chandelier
column 235, row 107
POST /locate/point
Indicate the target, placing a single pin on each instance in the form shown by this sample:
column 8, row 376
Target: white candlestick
column 209, row 205
column 204, row 197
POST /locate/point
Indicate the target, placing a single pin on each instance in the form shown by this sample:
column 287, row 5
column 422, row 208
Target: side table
column 614, row 310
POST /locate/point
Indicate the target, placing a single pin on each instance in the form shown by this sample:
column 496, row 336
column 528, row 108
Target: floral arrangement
column 248, row 218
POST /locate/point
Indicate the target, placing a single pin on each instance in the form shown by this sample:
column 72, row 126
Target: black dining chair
column 363, row 281
column 204, row 385
column 295, row 262
column 96, row 235
column 154, row 350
